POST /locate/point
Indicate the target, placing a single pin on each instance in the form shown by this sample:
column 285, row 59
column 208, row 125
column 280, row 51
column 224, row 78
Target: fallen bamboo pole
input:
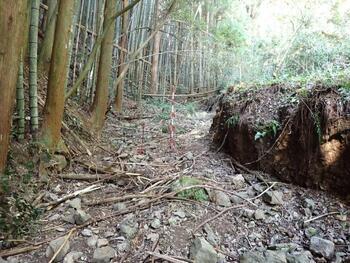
column 182, row 95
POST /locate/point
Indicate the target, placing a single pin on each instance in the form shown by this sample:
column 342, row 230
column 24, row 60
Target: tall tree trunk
column 122, row 58
column 54, row 104
column 12, row 20
column 100, row 104
column 46, row 47
column 33, row 66
column 155, row 57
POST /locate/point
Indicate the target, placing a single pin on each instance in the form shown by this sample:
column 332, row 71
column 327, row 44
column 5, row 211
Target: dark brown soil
column 311, row 147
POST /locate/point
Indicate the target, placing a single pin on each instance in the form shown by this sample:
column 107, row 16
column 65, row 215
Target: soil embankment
column 299, row 135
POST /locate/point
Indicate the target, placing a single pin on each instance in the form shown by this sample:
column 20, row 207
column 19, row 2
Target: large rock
column 103, row 255
column 55, row 245
column 201, row 251
column 322, row 247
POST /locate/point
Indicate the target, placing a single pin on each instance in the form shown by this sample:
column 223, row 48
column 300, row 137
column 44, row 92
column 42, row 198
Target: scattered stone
column 275, row 256
column 86, row 232
column 180, row 213
column 92, row 241
column 172, row 220
column 273, row 197
column 59, row 162
column 153, row 237
column 341, row 217
column 55, row 245
column 189, row 156
column 54, row 217
column 156, row 223
column 220, row 198
column 119, row 206
column 258, row 188
column 248, row 213
column 251, row 224
column 68, row 216
column 75, row 203
column 259, row 214
column 128, row 228
column 268, row 256
column 60, row 229
column 300, row 257
column 72, row 257
column 80, row 217
column 123, row 155
column 109, row 234
column 211, row 237
column 9, row 260
column 322, row 247
column 123, row 246
column 103, row 255
column 102, row 242
column 252, row 257
column 239, row 198
column 202, row 251
column 238, row 181
column 309, row 203
column 310, row 232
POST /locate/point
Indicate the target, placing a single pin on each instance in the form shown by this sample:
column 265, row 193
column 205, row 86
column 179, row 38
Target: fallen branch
column 116, row 199
column 169, row 258
column 17, row 251
column 183, row 95
column 92, row 177
column 320, row 216
column 53, row 204
column 63, row 244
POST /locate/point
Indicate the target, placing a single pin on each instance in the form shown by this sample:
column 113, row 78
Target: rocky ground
column 136, row 200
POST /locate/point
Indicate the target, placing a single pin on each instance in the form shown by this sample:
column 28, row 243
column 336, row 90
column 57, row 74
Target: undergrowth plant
column 232, row 121
column 17, row 214
column 269, row 129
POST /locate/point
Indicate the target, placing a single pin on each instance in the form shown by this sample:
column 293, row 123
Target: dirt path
column 139, row 212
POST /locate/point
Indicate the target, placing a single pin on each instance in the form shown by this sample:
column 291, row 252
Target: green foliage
column 269, row 129
column 164, row 108
column 232, row 121
column 317, row 123
column 198, row 194
column 230, row 33
column 17, row 214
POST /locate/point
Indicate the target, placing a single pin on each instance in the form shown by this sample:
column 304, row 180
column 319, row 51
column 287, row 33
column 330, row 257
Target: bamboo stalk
column 33, row 67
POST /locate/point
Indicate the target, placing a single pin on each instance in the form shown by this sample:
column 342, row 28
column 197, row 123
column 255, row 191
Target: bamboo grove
column 97, row 53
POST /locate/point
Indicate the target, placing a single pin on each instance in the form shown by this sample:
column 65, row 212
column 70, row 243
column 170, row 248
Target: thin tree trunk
column 54, row 104
column 46, row 47
column 100, row 104
column 20, row 101
column 123, row 44
column 155, row 58
column 12, row 21
column 33, row 67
